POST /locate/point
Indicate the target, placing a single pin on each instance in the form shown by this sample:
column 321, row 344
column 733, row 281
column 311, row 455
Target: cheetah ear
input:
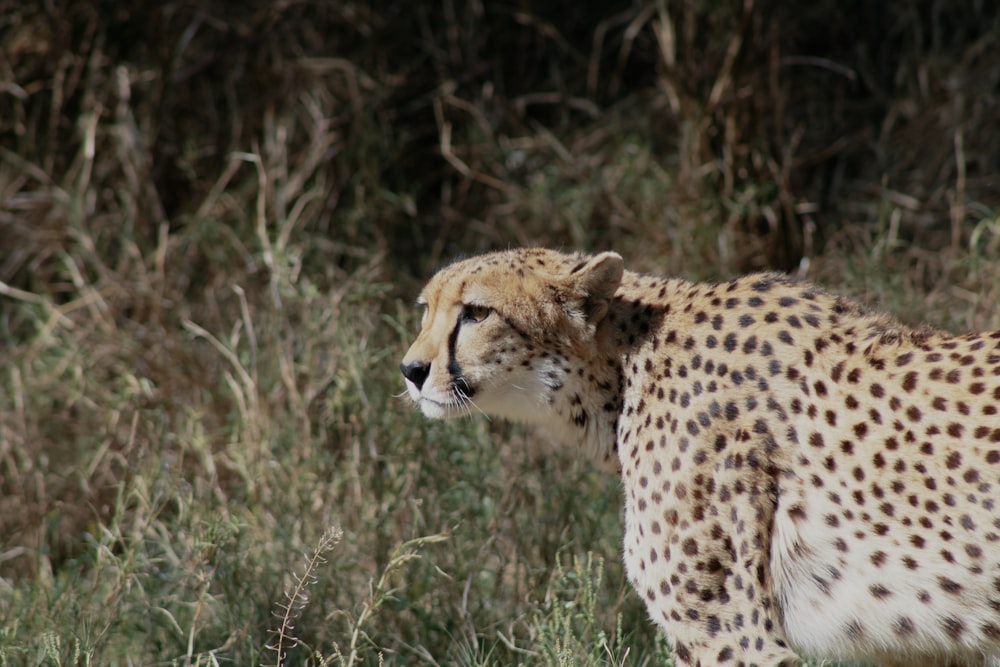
column 596, row 281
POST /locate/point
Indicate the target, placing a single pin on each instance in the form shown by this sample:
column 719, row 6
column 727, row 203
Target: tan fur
column 801, row 477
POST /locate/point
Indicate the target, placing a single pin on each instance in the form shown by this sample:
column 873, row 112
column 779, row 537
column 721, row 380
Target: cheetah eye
column 422, row 307
column 475, row 313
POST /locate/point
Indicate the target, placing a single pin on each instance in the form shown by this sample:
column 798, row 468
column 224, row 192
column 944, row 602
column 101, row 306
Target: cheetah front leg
column 722, row 609
column 708, row 586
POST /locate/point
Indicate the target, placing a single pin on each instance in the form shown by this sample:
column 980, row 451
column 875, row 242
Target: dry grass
column 212, row 221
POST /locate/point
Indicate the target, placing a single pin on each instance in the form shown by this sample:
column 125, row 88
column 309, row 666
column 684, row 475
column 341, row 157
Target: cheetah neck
column 587, row 397
column 581, row 392
column 584, row 411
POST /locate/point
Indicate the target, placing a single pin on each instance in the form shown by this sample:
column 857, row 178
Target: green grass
column 446, row 536
column 213, row 223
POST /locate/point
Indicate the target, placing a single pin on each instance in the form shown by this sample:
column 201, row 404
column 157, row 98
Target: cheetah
column 801, row 477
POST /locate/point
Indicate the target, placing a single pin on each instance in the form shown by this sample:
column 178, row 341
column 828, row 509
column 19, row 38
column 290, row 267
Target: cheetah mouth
column 437, row 409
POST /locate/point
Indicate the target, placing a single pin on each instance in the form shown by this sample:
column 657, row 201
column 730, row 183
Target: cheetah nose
column 416, row 372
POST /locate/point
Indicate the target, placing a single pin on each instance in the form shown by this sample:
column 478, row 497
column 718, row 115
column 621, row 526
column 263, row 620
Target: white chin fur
column 434, row 410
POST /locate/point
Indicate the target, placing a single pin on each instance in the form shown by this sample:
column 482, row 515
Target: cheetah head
column 508, row 333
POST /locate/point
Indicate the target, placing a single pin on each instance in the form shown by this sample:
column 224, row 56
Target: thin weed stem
column 298, row 597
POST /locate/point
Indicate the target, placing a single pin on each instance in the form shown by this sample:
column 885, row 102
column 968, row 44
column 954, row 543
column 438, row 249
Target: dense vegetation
column 214, row 218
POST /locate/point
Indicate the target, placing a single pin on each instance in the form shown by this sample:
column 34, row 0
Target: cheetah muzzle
column 801, row 477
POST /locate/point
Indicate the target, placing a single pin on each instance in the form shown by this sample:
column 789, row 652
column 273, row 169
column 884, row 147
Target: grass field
column 213, row 223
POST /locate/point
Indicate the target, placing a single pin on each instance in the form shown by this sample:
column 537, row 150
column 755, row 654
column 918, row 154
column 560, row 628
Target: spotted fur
column 801, row 477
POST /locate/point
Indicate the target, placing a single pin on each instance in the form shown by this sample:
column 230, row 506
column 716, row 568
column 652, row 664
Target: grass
column 212, row 224
column 193, row 552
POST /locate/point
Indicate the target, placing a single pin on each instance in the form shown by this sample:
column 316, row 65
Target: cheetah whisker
column 465, row 401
